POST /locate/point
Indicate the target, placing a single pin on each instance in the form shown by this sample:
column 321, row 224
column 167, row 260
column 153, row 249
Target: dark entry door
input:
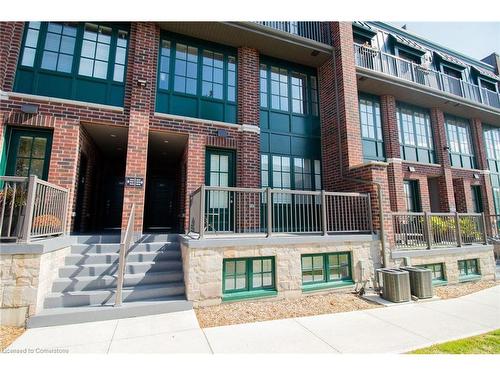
column 113, row 202
column 160, row 204
column 29, row 153
column 219, row 171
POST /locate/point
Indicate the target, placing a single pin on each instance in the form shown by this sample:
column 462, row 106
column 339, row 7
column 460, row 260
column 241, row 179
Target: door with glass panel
column 29, row 153
column 219, row 205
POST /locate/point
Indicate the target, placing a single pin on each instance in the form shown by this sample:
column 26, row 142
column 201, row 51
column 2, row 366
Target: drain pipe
column 383, row 243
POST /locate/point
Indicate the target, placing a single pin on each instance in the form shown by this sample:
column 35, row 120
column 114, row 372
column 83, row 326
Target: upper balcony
column 317, row 31
column 433, row 81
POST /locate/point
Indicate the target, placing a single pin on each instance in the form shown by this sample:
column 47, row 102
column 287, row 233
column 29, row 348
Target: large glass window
column 192, row 69
column 415, row 135
column 248, row 275
column 30, row 44
column 492, row 142
column 371, row 128
column 460, row 142
column 290, row 91
column 326, row 268
column 285, row 172
column 186, row 69
column 59, row 47
column 78, row 61
column 95, row 51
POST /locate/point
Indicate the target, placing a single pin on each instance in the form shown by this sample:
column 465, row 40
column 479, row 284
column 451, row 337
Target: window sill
column 254, row 294
column 465, row 279
column 330, row 285
column 439, row 283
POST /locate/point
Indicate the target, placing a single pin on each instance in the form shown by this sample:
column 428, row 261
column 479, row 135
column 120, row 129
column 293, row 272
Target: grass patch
column 488, row 343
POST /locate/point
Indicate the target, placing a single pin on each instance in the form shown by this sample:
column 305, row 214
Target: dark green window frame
column 293, row 176
column 318, row 270
column 415, row 133
column 371, row 127
column 492, row 143
column 468, row 269
column 248, row 277
column 412, row 195
column 437, row 271
column 477, row 200
column 460, row 144
column 33, row 78
column 206, row 67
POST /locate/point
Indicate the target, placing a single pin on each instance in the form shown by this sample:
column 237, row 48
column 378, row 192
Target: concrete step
column 74, row 315
column 109, row 248
column 83, row 283
column 110, row 269
column 137, row 256
column 107, row 296
column 159, row 237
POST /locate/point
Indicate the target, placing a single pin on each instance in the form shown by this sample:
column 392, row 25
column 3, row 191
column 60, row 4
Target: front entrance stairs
column 86, row 286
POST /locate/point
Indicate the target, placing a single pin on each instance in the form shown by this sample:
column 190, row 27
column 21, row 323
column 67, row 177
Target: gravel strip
column 8, row 335
column 462, row 289
column 258, row 311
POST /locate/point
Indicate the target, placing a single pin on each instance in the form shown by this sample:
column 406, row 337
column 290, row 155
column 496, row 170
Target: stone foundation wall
column 203, row 265
column 450, row 260
column 25, row 281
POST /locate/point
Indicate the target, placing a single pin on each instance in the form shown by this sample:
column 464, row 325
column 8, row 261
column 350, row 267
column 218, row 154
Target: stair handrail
column 124, row 248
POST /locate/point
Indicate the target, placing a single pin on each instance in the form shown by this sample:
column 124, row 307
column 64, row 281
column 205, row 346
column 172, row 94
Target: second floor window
column 59, row 47
column 415, row 134
column 371, row 128
column 287, row 90
column 460, row 142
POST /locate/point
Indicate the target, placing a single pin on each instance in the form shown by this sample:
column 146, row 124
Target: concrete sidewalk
column 385, row 330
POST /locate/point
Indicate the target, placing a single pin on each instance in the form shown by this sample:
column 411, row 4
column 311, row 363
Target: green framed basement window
column 371, row 127
column 437, row 271
column 460, row 142
column 468, row 269
column 415, row 134
column 78, row 61
column 196, row 79
column 248, row 278
column 326, row 270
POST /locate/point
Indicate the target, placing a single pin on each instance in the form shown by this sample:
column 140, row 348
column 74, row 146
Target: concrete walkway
column 384, row 330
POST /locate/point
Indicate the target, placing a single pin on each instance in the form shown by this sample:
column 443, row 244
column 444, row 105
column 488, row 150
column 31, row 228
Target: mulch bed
column 8, row 335
column 462, row 289
column 257, row 311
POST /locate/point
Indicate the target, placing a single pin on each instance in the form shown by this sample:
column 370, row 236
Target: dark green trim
column 439, row 282
column 461, row 159
column 326, row 268
column 415, row 152
column 469, row 276
column 328, row 285
column 39, row 81
column 13, row 135
column 231, row 164
column 254, row 294
column 432, row 267
column 372, row 144
column 249, row 290
column 464, row 279
column 196, row 105
column 414, row 189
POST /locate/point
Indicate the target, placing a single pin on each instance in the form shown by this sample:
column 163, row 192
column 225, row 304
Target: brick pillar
column 248, row 154
column 392, row 150
column 463, row 195
column 11, row 34
column 340, row 129
column 195, row 170
column 445, row 181
column 423, row 185
column 142, row 61
column 482, row 163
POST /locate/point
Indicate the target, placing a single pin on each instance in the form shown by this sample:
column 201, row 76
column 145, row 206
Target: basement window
column 468, row 269
column 326, row 270
column 437, row 271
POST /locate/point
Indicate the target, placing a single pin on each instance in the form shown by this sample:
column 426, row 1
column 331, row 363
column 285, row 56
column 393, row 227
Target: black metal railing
column 314, row 30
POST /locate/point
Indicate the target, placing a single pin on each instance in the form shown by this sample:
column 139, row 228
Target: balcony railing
column 317, row 31
column 265, row 212
column 495, row 227
column 31, row 208
column 424, row 230
column 376, row 60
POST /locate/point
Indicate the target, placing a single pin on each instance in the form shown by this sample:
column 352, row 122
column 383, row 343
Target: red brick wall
column 248, row 86
column 11, row 34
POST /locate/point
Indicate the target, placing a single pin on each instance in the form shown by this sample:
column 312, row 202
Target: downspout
column 361, row 181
